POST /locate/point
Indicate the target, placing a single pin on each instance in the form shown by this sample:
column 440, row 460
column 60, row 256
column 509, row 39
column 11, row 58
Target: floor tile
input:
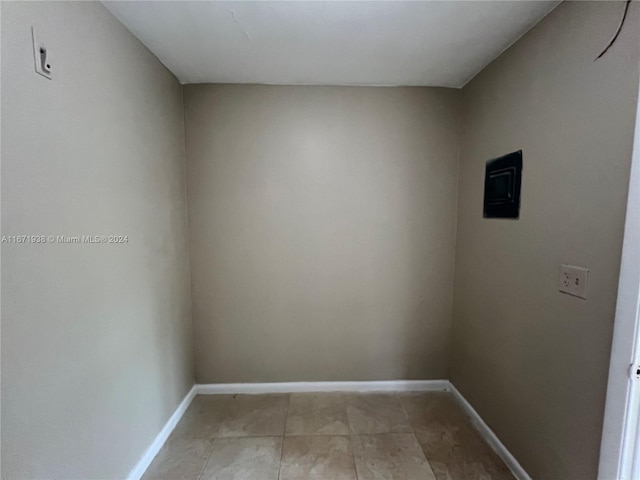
column 455, row 449
column 377, row 413
column 460, row 453
column 254, row 415
column 247, row 458
column 183, row 459
column 317, row 414
column 432, row 408
column 452, row 445
column 317, row 458
column 203, row 417
column 396, row 456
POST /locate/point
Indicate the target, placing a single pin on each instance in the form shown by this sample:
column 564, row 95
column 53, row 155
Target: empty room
column 320, row 240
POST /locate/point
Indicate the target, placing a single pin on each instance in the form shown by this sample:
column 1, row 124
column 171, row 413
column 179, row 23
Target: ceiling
column 432, row 43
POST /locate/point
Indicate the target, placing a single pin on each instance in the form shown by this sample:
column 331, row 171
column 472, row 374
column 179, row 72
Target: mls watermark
column 63, row 239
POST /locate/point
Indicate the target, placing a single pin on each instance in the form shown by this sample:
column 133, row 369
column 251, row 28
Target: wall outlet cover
column 573, row 280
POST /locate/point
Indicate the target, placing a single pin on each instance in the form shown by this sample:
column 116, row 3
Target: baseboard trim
column 158, row 442
column 491, row 438
column 298, row 387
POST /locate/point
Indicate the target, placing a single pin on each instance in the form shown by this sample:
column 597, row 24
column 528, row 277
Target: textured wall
column 322, row 224
column 533, row 361
column 96, row 339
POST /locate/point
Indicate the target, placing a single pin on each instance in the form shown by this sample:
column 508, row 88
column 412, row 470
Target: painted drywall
column 532, row 361
column 322, row 223
column 95, row 337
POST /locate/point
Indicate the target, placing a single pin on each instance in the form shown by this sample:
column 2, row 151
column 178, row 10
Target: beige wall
column 322, row 224
column 532, row 361
column 95, row 338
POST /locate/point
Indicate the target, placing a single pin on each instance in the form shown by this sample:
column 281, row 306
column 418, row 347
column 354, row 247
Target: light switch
column 573, row 280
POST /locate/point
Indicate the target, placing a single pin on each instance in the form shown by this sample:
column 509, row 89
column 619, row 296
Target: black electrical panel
column 502, row 180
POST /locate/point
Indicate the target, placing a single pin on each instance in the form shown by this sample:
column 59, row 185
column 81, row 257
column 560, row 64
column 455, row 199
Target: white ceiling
column 433, row 43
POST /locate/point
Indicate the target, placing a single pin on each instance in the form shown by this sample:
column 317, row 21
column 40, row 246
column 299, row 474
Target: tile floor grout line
column 207, row 459
column 260, row 435
column 213, row 439
column 355, row 463
column 353, row 454
column 415, row 434
column 284, row 431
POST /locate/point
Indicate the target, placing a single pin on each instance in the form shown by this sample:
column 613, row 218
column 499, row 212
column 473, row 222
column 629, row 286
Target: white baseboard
column 491, row 438
column 158, row 442
column 297, row 387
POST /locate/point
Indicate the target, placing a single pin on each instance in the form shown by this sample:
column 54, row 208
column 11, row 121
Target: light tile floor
column 326, row 436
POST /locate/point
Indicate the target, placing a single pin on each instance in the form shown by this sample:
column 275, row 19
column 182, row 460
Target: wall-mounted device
column 573, row 280
column 42, row 56
column 502, row 181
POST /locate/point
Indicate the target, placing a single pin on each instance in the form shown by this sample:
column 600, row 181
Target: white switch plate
column 573, row 280
column 42, row 56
